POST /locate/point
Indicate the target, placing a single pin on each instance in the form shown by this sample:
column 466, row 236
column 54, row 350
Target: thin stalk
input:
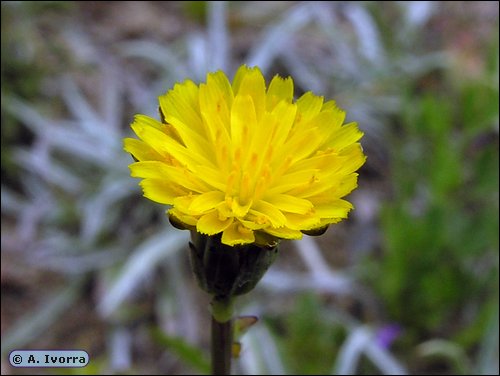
column 222, row 340
column 222, row 334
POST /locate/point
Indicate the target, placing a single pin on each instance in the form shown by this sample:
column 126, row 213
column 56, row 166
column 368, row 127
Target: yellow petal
column 290, row 204
column 250, row 81
column 301, row 222
column 166, row 146
column 335, row 209
column 301, row 145
column 275, row 216
column 354, row 159
column 328, row 221
column 141, row 150
column 344, row 136
column 328, row 122
column 211, row 176
column 315, row 133
column 193, row 141
column 169, row 174
column 182, row 217
column 238, row 78
column 320, row 162
column 206, row 201
column 215, row 111
column 219, row 81
column 330, row 106
column 293, row 180
column 216, row 99
column 284, row 232
column 309, row 105
column 285, row 114
column 253, row 223
column 182, row 103
column 183, row 203
column 238, row 209
column 261, row 139
column 211, row 223
column 237, row 234
column 149, row 122
column 280, row 89
column 161, row 191
column 347, row 185
column 342, row 186
column 243, row 119
column 320, row 185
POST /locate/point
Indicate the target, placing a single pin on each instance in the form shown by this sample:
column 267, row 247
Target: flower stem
column 222, row 337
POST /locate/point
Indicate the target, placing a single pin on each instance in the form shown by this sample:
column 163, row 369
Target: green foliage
column 23, row 68
column 310, row 343
column 197, row 10
column 188, row 353
column 441, row 225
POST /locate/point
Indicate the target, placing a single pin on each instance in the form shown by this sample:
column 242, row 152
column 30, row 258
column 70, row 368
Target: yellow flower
column 243, row 160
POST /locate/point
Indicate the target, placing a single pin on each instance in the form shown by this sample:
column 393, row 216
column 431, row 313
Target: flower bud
column 226, row 271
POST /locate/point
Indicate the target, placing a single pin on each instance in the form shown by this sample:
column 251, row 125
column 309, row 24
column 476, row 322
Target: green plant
column 438, row 276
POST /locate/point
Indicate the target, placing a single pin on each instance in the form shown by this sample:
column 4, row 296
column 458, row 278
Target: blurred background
column 407, row 285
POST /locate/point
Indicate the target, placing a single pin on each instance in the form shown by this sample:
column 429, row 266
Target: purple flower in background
column 386, row 335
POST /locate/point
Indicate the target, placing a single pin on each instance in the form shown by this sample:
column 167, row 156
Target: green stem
column 221, row 347
column 222, row 336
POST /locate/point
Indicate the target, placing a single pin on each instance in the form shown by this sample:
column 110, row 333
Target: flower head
column 245, row 160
